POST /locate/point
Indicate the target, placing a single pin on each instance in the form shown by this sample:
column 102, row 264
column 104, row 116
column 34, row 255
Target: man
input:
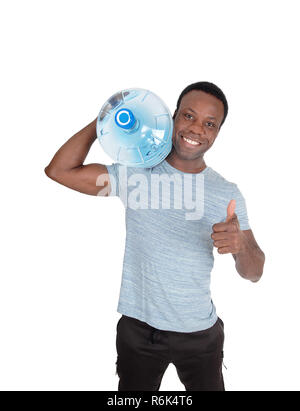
column 167, row 312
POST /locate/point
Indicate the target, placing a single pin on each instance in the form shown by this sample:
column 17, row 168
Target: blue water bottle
column 135, row 127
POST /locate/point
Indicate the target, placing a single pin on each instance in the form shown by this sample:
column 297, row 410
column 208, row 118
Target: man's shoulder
column 219, row 180
column 129, row 170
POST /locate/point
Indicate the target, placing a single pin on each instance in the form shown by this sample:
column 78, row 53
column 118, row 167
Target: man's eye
column 188, row 115
column 210, row 124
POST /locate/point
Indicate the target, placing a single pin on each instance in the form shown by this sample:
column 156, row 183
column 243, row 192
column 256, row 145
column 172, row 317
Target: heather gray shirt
column 169, row 252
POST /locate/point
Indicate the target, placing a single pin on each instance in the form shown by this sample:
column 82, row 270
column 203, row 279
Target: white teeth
column 194, row 143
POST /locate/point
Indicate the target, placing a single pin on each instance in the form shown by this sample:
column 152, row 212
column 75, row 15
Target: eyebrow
column 188, row 108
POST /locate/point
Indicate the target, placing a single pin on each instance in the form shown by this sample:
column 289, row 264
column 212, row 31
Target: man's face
column 198, row 119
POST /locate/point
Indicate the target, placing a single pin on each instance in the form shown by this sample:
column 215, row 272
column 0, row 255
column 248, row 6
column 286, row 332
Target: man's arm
column 229, row 238
column 249, row 261
column 66, row 167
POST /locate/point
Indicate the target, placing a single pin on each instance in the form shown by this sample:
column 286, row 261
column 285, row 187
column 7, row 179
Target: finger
column 223, row 235
column 223, row 250
column 221, row 243
column 220, row 227
column 233, row 224
column 230, row 210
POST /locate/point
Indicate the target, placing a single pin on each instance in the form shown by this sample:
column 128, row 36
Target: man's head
column 201, row 110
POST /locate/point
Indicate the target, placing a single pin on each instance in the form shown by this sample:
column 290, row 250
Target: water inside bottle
column 147, row 140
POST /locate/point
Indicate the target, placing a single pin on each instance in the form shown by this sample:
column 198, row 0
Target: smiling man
column 168, row 315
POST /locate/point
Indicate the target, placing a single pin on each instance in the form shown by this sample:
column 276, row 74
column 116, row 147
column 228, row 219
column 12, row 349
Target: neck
column 187, row 166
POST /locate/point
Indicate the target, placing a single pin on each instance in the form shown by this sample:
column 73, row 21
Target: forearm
column 73, row 153
column 249, row 262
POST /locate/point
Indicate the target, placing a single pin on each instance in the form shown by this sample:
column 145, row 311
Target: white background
column 62, row 251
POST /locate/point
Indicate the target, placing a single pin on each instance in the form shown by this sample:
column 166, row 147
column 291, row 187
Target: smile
column 190, row 142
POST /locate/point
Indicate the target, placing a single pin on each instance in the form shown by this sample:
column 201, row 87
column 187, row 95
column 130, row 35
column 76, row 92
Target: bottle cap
column 124, row 118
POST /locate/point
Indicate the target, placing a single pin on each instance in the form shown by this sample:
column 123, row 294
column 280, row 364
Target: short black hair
column 209, row 88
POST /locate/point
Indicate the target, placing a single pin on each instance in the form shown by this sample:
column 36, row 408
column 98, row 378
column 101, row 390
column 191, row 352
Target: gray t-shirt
column 169, row 252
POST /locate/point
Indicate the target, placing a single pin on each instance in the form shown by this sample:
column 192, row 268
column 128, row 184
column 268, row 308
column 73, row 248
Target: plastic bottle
column 135, row 127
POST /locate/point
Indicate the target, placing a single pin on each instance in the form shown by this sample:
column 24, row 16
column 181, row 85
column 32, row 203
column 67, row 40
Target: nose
column 196, row 133
column 196, row 130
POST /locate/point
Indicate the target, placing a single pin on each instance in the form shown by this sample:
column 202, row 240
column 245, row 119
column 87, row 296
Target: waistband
column 155, row 333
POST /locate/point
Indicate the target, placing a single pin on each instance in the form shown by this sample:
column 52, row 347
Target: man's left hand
column 227, row 236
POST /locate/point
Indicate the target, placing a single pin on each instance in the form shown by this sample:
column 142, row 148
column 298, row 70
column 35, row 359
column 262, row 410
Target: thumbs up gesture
column 227, row 236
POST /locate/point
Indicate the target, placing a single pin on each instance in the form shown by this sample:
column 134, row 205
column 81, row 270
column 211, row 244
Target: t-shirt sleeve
column 241, row 208
column 113, row 172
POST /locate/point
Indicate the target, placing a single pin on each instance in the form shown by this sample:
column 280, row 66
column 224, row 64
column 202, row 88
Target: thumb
column 230, row 210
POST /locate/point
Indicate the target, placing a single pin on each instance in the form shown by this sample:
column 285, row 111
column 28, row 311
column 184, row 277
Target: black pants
column 144, row 354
